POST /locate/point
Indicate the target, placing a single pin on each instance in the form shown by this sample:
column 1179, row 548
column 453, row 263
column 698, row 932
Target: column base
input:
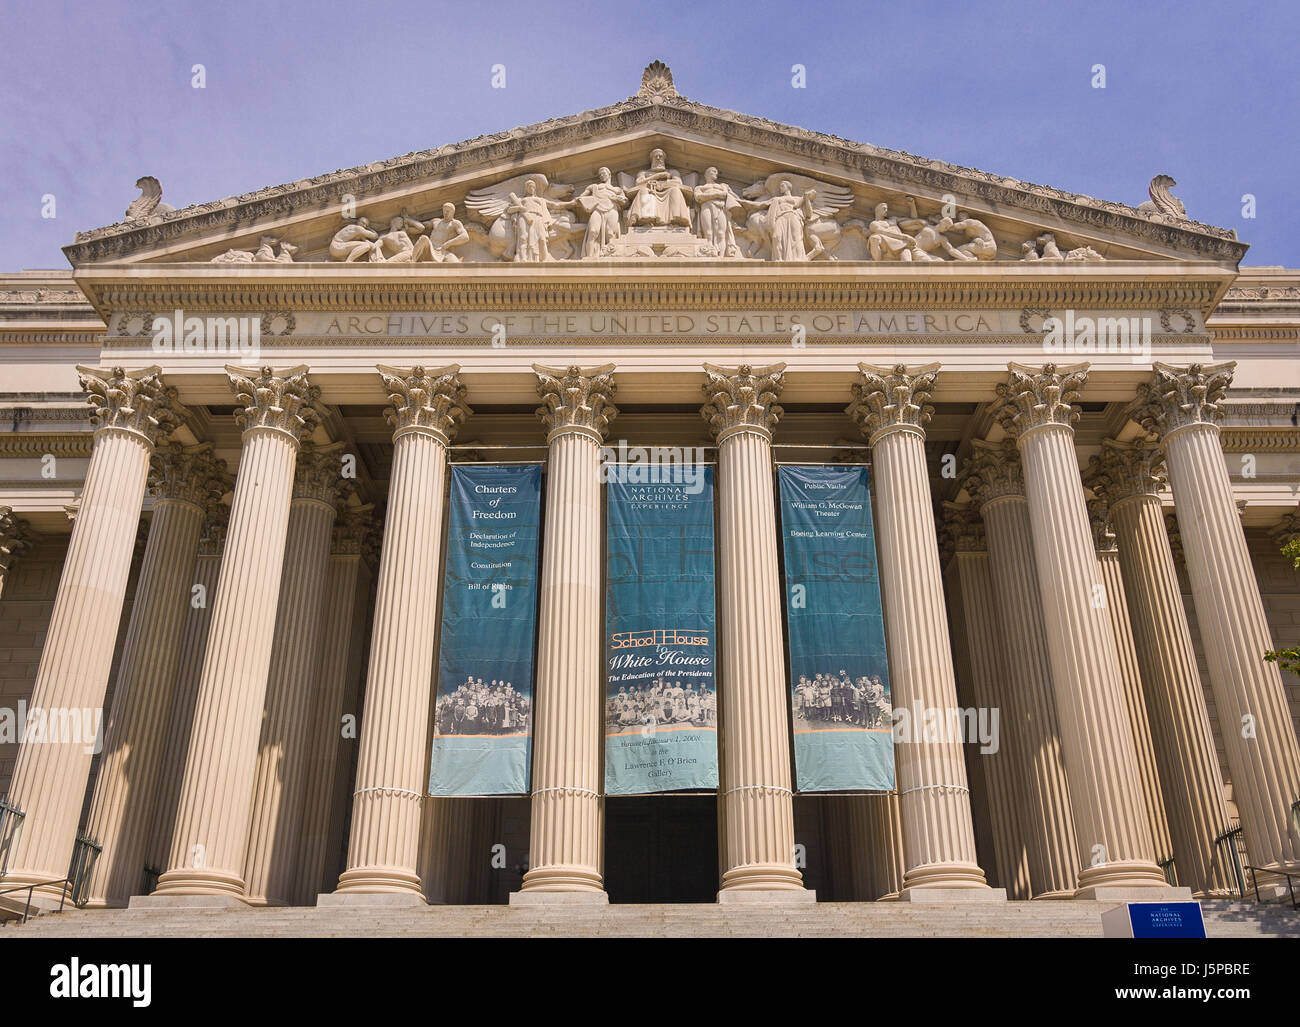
column 538, row 897
column 189, row 881
column 1052, row 896
column 184, row 901
column 947, row 876
column 561, row 878
column 379, row 881
column 370, row 898
column 947, row 896
column 1120, row 893
column 766, row 896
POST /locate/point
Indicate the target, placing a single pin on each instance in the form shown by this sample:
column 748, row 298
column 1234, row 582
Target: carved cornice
column 1176, row 398
column 742, row 399
column 576, row 399
column 26, row 445
column 674, row 115
column 993, row 472
column 1031, row 398
column 280, row 400
column 1103, row 539
column 892, row 399
column 1122, row 470
column 134, row 401
column 318, row 472
column 188, row 474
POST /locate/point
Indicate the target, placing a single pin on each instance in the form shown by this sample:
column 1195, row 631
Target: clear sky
column 94, row 95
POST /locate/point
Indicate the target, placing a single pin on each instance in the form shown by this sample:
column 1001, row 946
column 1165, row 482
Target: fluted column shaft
column 884, row 816
column 1115, row 844
column 1112, row 581
column 1175, row 700
column 336, row 638
column 1002, row 770
column 121, row 809
column 210, row 839
column 50, row 774
column 271, row 862
column 1258, row 736
column 193, row 643
column 938, row 833
column 391, row 776
column 755, row 754
column 565, row 841
column 1032, row 725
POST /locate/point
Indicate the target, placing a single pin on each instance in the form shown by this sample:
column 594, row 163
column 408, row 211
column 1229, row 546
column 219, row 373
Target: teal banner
column 839, row 675
column 661, row 698
column 482, row 738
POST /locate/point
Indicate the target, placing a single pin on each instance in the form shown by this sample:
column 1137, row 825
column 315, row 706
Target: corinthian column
column 891, row 407
column 194, row 639
column 1116, row 850
column 758, row 809
column 1112, row 580
column 426, row 407
column 1128, row 477
column 1182, row 407
column 14, row 539
column 131, row 411
column 344, row 594
column 210, row 840
column 996, row 485
column 982, row 634
column 565, row 840
column 272, row 858
column 186, row 482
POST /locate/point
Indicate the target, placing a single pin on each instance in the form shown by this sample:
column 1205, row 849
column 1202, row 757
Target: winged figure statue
column 792, row 216
column 526, row 216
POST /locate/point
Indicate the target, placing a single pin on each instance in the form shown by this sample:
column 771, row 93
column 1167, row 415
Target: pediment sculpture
column 659, row 211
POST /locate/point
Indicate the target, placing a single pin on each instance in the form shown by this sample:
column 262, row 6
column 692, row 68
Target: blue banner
column 483, row 711
column 661, row 698
column 839, row 675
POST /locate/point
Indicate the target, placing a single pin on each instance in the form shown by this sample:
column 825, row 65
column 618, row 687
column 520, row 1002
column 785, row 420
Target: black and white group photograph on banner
column 829, row 699
column 481, row 707
column 661, row 702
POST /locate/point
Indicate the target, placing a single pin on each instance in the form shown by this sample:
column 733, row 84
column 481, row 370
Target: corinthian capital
column 282, row 400
column 318, row 472
column 1125, row 469
column 742, row 399
column 1103, row 539
column 892, row 398
column 1031, row 399
column 1286, row 531
column 577, row 399
column 351, row 528
column 134, row 401
column 189, row 474
column 1174, row 399
column 993, row 472
column 424, row 400
column 962, row 530
column 15, row 538
column 213, row 538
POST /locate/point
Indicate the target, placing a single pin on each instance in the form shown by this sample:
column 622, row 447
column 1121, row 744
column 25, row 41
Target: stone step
column 883, row 919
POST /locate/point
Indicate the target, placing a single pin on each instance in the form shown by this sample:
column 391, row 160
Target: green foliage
column 1288, row 659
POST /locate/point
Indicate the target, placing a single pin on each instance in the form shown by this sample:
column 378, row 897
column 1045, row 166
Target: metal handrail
column 7, row 810
column 1289, row 875
column 85, row 853
column 1167, row 868
column 1230, row 836
column 29, row 888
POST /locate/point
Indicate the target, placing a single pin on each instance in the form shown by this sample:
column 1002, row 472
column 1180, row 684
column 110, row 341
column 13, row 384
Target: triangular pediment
column 933, row 212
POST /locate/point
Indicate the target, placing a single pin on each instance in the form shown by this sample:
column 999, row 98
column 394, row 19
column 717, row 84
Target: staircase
column 1072, row 919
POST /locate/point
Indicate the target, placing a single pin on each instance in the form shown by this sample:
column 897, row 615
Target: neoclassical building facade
column 225, row 456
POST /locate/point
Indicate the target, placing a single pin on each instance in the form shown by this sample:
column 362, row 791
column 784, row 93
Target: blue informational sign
column 1166, row 920
column 661, row 697
column 483, row 712
column 839, row 674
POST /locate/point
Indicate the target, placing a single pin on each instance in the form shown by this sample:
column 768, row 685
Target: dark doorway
column 661, row 848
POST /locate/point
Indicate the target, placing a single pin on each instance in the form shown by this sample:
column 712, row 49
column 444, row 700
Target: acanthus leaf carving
column 742, row 398
column 431, row 401
column 1176, row 398
column 892, row 398
column 135, row 401
column 281, row 400
column 576, row 399
column 1031, row 398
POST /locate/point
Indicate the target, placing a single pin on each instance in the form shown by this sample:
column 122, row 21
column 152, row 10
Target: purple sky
column 97, row 94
